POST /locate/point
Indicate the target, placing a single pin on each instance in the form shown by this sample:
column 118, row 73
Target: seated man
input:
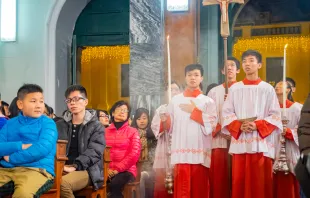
column 86, row 144
column 28, row 145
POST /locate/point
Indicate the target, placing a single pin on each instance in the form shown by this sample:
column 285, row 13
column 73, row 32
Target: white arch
column 50, row 53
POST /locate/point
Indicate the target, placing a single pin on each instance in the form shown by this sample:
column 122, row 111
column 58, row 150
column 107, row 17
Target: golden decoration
column 120, row 52
column 296, row 44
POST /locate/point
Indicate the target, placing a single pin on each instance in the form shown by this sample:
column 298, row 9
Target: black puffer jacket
column 302, row 170
column 91, row 144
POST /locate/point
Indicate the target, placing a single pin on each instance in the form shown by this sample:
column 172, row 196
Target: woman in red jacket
column 125, row 149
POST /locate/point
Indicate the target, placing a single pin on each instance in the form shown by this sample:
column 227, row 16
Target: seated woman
column 142, row 122
column 125, row 149
column 103, row 117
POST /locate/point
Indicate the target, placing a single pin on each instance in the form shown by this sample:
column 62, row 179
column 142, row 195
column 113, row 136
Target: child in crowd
column 28, row 147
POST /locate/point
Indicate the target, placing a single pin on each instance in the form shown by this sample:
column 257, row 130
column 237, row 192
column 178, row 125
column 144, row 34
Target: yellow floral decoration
column 120, row 52
column 296, row 44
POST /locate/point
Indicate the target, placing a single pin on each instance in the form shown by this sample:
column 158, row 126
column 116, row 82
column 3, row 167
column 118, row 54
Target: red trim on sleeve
column 234, row 129
column 167, row 123
column 289, row 134
column 264, row 128
column 216, row 130
column 197, row 116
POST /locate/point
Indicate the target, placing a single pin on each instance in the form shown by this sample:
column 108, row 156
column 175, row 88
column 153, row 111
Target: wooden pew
column 60, row 160
column 59, row 167
column 88, row 192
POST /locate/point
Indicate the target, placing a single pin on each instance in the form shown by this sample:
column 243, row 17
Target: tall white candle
column 169, row 68
column 284, row 82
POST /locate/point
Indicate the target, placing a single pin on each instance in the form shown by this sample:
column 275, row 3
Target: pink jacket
column 125, row 148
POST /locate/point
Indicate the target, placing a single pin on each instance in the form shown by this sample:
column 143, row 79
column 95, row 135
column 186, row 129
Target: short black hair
column 255, row 53
column 237, row 62
column 49, row 109
column 73, row 88
column 13, row 108
column 100, row 110
column 291, row 80
column 118, row 104
column 211, row 86
column 27, row 89
column 192, row 67
column 3, row 104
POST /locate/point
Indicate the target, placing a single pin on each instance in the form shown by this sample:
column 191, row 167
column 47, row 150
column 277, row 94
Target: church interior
column 103, row 47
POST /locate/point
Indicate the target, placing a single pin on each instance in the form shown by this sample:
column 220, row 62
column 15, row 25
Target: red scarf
column 189, row 93
column 251, row 82
column 288, row 104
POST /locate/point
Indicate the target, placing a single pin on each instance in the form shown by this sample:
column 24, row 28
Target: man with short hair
column 219, row 172
column 86, row 144
column 193, row 117
column 251, row 115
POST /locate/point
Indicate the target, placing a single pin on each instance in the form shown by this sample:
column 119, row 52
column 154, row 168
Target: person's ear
column 20, row 104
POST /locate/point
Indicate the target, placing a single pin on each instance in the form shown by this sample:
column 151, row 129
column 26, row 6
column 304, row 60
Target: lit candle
column 284, row 82
column 169, row 68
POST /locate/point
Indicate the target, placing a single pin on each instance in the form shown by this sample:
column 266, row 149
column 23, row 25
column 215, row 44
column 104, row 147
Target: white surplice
column 292, row 147
column 217, row 94
column 161, row 150
column 247, row 101
column 192, row 142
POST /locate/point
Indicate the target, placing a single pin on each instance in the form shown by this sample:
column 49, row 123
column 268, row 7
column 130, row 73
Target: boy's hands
column 6, row 158
column 25, row 146
column 69, row 169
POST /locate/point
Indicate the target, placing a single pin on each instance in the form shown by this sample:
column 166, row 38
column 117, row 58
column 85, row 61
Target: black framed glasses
column 74, row 99
column 104, row 116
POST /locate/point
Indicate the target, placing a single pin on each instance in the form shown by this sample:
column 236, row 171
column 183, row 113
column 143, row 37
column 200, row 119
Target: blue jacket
column 3, row 121
column 40, row 132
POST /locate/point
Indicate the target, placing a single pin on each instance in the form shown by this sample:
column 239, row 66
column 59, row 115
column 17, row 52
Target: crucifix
column 224, row 26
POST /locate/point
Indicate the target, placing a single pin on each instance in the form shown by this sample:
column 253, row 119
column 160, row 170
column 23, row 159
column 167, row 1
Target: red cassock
column 191, row 181
column 252, row 176
column 286, row 186
column 219, row 174
column 159, row 190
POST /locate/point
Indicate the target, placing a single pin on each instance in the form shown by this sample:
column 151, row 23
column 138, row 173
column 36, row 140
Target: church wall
column 181, row 27
column 23, row 61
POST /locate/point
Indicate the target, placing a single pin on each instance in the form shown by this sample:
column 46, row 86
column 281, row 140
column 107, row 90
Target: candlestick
column 169, row 68
column 284, row 82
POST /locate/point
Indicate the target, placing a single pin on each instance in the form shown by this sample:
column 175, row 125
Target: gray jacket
column 91, row 144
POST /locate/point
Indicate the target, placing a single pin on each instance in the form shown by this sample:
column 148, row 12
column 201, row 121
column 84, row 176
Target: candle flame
column 285, row 46
column 168, row 37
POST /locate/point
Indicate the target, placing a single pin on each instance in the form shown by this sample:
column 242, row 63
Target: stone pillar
column 209, row 44
column 146, row 54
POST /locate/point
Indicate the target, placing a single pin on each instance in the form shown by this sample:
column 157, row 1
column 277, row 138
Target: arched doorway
column 59, row 39
column 61, row 27
column 101, row 36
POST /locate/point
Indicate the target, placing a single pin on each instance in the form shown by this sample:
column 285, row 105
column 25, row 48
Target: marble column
column 209, row 54
column 146, row 54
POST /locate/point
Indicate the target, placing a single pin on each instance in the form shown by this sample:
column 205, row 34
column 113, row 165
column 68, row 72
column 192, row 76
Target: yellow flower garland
column 106, row 52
